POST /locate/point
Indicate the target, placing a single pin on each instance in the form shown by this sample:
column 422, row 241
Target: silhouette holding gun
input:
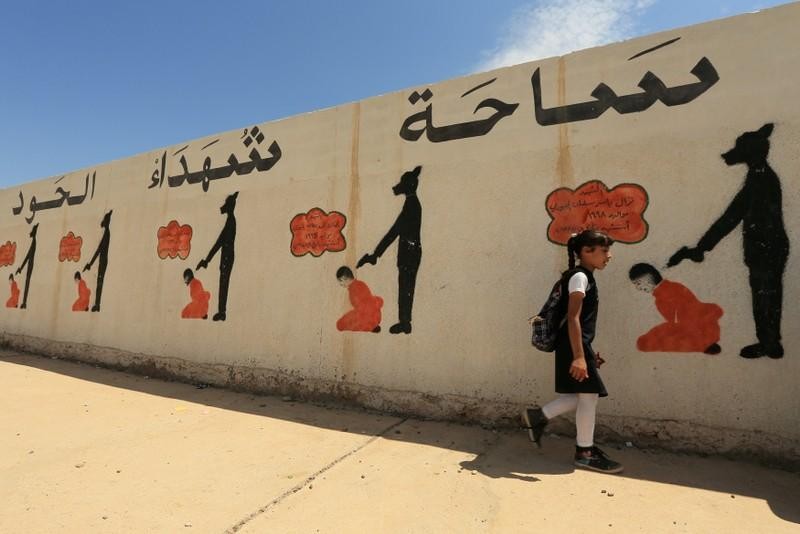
column 28, row 261
column 406, row 229
column 101, row 255
column 224, row 245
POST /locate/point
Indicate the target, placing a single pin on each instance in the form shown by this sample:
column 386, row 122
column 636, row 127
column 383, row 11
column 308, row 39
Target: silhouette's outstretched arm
column 217, row 246
column 732, row 216
column 94, row 258
column 25, row 261
column 390, row 236
column 384, row 243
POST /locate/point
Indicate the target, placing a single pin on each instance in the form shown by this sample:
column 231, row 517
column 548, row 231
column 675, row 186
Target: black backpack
column 551, row 317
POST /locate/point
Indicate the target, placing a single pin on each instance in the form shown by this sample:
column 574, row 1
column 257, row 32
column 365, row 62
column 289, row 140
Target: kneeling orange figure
column 84, row 294
column 691, row 325
column 198, row 307
column 13, row 300
column 366, row 313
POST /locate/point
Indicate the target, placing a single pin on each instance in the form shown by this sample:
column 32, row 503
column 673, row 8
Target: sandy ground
column 84, row 449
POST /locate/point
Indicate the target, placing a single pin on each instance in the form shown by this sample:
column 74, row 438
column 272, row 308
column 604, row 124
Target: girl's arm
column 578, row 369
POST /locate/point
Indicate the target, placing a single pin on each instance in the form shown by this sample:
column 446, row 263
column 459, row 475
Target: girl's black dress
column 564, row 382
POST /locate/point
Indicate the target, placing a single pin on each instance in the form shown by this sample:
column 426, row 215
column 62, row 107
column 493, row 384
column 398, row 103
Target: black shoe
column 534, row 420
column 220, row 316
column 758, row 350
column 376, row 330
column 597, row 460
column 400, row 328
column 713, row 349
column 96, row 308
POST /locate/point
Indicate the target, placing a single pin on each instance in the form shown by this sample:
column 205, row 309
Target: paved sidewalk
column 84, row 449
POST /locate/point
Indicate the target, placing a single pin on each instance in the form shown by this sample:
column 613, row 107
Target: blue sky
column 85, row 82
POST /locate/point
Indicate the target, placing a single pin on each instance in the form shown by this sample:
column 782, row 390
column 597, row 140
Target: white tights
column 584, row 405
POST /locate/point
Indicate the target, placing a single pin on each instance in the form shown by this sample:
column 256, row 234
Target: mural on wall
column 198, row 307
column 251, row 138
column 618, row 212
column 101, row 256
column 8, row 254
column 758, row 207
column 406, row 229
column 366, row 313
column 316, row 231
column 690, row 325
column 604, row 97
column 225, row 246
column 174, row 241
column 65, row 196
column 13, row 299
column 69, row 248
column 421, row 122
column 28, row 262
column 81, row 304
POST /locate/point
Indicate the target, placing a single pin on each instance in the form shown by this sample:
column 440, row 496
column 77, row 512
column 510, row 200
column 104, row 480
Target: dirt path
column 84, row 449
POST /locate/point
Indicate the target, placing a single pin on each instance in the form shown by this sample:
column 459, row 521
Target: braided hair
column 587, row 238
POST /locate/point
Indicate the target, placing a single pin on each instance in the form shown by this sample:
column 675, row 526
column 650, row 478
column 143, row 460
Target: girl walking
column 578, row 381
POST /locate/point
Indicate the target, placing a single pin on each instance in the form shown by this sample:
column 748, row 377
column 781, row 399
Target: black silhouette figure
column 766, row 247
column 101, row 255
column 409, row 248
column 224, row 244
column 28, row 261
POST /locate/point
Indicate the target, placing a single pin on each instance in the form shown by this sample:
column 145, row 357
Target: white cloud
column 556, row 27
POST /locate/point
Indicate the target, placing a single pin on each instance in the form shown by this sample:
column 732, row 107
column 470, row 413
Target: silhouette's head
column 408, row 182
column 345, row 275
column 188, row 276
column 591, row 248
column 230, row 203
column 77, row 275
column 751, row 147
column 34, row 230
column 106, row 219
column 645, row 277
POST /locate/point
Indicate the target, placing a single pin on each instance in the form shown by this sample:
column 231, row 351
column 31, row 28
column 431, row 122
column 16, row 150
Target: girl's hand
column 598, row 360
column 578, row 369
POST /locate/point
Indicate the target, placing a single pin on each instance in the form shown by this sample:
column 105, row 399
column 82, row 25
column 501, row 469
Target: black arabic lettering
column 64, row 195
column 463, row 130
column 208, row 173
column 157, row 177
column 605, row 97
column 17, row 211
column 32, row 207
column 71, row 201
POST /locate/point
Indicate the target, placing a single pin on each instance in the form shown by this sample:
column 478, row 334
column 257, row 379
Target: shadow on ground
column 500, row 453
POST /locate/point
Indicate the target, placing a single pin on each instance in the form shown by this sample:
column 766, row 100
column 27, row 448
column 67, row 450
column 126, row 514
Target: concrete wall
column 489, row 188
